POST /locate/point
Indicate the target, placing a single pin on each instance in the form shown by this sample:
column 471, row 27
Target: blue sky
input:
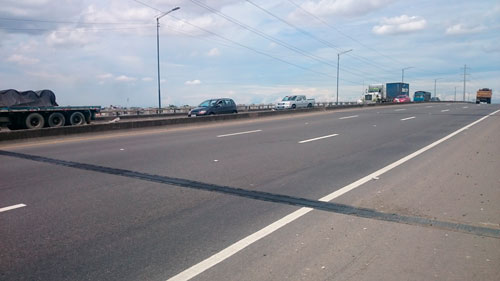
column 104, row 52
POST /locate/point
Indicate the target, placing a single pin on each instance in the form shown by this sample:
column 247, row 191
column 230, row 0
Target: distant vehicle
column 214, row 106
column 421, row 96
column 375, row 93
column 484, row 95
column 293, row 102
column 397, row 89
column 435, row 99
column 401, row 99
column 385, row 93
column 36, row 110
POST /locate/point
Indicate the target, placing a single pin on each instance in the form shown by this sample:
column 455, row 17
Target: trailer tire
column 34, row 121
column 76, row 119
column 56, row 119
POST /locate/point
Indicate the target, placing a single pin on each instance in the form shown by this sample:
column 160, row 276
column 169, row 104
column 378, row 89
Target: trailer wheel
column 34, row 121
column 56, row 119
column 76, row 119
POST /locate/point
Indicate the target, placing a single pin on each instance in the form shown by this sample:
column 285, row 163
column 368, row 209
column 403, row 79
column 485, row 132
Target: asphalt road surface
column 406, row 192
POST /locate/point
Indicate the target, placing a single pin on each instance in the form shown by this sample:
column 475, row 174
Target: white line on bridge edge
column 5, row 209
column 240, row 133
column 404, row 119
column 401, row 109
column 347, row 117
column 318, row 138
column 444, row 110
column 252, row 238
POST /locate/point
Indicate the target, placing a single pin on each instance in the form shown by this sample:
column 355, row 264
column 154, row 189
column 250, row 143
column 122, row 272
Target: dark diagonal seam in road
column 270, row 197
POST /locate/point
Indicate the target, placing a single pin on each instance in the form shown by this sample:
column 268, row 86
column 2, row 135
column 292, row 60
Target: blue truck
column 422, row 96
column 396, row 89
column 385, row 93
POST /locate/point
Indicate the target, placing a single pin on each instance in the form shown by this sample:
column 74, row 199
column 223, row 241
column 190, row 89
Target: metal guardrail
column 185, row 110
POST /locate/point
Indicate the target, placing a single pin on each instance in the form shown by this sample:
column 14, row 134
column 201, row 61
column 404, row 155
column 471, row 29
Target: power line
column 70, row 22
column 326, row 43
column 273, row 39
column 339, row 31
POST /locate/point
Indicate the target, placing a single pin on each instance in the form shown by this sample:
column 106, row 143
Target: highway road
column 407, row 192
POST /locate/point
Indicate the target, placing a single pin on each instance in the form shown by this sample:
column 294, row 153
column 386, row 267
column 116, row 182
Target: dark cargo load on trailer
column 38, row 109
column 11, row 98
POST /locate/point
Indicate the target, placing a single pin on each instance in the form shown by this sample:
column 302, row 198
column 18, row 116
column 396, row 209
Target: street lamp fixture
column 403, row 73
column 338, row 63
column 158, row 50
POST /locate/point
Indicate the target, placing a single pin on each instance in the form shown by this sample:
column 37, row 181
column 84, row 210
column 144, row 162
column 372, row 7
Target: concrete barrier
column 140, row 123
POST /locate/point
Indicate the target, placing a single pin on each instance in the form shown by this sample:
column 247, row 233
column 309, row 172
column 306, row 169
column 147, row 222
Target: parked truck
column 293, row 102
column 35, row 110
column 385, row 93
column 484, row 95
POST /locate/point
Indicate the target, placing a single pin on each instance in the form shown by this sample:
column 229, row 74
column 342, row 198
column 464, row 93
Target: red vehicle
column 402, row 98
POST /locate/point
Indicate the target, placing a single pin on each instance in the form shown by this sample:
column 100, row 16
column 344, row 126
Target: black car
column 214, row 106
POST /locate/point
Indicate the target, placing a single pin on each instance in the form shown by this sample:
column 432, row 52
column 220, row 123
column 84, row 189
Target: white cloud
column 339, row 7
column 193, row 82
column 399, row 25
column 458, row 29
column 69, row 37
column 214, row 52
column 124, row 78
column 147, row 79
column 105, row 76
column 20, row 59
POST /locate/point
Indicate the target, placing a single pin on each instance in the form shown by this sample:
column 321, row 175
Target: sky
column 104, row 53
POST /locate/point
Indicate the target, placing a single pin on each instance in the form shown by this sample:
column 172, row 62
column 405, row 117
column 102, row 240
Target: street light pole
column 338, row 63
column 403, row 73
column 158, row 51
column 435, row 80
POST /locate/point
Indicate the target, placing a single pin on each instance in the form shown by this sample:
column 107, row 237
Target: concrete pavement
column 81, row 225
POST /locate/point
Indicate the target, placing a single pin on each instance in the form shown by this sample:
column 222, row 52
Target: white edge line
column 319, row 138
column 247, row 241
column 5, row 209
column 240, row 133
column 404, row 119
column 347, row 117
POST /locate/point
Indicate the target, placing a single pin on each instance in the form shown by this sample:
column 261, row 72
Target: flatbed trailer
column 37, row 117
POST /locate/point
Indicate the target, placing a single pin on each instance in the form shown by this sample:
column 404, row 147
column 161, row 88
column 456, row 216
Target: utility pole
column 465, row 79
column 338, row 63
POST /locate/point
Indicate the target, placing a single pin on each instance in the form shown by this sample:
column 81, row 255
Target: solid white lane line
column 318, row 138
column 252, row 238
column 401, row 109
column 404, row 119
column 347, row 117
column 465, row 107
column 444, row 110
column 240, row 133
column 5, row 209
